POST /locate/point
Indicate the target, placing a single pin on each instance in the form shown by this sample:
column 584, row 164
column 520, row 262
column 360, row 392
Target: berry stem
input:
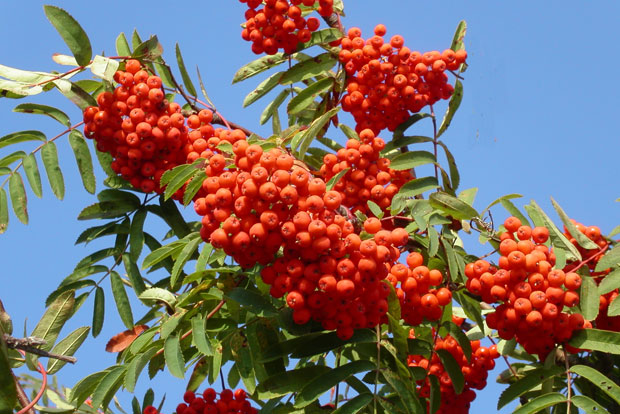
column 378, row 331
column 28, row 407
column 510, row 367
column 338, row 355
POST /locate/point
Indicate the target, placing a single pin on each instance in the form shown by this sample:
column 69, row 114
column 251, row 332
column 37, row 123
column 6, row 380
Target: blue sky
column 538, row 118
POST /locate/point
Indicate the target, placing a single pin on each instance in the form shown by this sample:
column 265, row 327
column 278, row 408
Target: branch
column 333, row 20
column 30, row 344
column 217, row 119
column 21, row 396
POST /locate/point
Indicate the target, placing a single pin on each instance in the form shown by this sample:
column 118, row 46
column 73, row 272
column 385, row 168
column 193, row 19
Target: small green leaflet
column 54, row 113
column 18, row 197
column 187, row 81
column 32, row 173
column 67, row 346
column 71, row 32
column 83, row 159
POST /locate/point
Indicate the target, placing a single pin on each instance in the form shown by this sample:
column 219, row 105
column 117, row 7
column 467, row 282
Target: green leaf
column 85, row 387
column 304, row 98
column 610, row 259
column 67, row 346
column 355, row 404
column 199, row 337
column 107, row 387
column 458, row 334
column 32, row 173
column 148, row 50
column 289, row 381
column 334, row 180
column 193, row 187
column 18, row 197
column 104, row 68
column 435, row 394
column 54, row 319
column 133, row 273
column 453, row 106
column 136, row 234
column 459, row 35
column 610, row 282
column 529, row 381
column 400, row 130
column 514, row 211
column 174, row 357
column 106, row 210
column 9, row 159
column 243, row 360
column 135, row 367
column 187, row 81
column 404, row 391
column 83, row 159
column 262, row 89
column 98, row 311
column 176, row 178
column 587, row 404
column 253, row 301
column 322, row 37
column 313, row 130
column 614, row 308
column 273, row 106
column 121, row 299
column 412, row 159
column 596, row 340
column 75, row 93
column 455, row 177
column 4, row 211
column 8, row 391
column 558, row 240
column 21, row 136
column 33, row 108
column 309, row 68
column 259, row 65
column 158, row 295
column 452, row 206
column 71, row 32
column 418, row 186
column 606, row 385
column 589, row 298
column 505, row 197
column 453, row 369
column 49, row 155
column 581, row 238
column 161, row 253
column 541, row 402
column 122, row 46
column 183, row 257
column 317, row 386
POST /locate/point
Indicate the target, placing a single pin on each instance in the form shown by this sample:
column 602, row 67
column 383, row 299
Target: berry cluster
column 255, row 203
column 229, row 402
column 475, row 372
column 369, row 176
column 144, row 133
column 413, row 287
column 280, row 24
column 387, row 81
column 531, row 293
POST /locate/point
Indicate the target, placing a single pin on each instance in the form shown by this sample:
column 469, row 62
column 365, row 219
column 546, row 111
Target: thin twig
column 568, row 381
column 217, row 119
column 21, row 396
column 378, row 330
column 29, row 345
column 434, row 119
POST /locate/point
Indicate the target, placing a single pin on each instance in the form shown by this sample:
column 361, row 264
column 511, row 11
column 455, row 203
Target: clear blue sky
column 538, row 118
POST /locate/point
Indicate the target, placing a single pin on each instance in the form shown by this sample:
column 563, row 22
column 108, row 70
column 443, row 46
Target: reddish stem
column 41, row 391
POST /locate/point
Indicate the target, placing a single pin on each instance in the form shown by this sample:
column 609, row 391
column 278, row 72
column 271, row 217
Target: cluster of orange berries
column 229, row 402
column 531, row 292
column 593, row 233
column 144, row 133
column 413, row 283
column 280, row 24
column 475, row 371
column 255, row 203
column 387, row 82
column 369, row 176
